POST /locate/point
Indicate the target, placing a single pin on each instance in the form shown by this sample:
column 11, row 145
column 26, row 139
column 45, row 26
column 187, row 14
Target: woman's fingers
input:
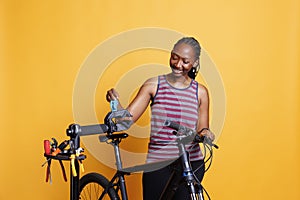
column 211, row 136
column 208, row 134
column 112, row 94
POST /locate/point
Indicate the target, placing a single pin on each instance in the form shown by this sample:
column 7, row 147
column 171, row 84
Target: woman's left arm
column 203, row 113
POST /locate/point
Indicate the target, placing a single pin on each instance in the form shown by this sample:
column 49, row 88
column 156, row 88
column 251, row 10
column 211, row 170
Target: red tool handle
column 47, row 147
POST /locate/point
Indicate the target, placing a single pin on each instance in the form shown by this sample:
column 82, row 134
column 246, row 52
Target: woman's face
column 182, row 59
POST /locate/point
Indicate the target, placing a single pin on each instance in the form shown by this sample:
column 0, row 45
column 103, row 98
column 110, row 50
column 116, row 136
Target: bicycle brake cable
column 209, row 158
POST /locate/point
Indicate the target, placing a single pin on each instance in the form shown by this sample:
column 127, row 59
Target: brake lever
column 204, row 140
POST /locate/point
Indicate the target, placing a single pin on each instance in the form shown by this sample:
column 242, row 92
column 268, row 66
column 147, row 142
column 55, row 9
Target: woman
column 177, row 97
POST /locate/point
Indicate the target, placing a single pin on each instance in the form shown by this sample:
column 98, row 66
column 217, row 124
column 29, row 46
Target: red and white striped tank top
column 177, row 105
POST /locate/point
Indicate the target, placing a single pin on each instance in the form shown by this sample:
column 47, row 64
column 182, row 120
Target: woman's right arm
column 141, row 101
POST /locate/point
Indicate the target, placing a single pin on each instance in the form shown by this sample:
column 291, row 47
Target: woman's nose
column 178, row 64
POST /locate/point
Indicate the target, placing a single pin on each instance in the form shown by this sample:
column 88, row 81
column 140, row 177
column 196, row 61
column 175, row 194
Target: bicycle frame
column 119, row 174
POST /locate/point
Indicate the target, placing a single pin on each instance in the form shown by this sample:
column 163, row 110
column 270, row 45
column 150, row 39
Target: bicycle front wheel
column 92, row 185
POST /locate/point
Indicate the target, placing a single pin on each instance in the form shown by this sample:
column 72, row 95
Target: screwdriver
column 60, row 148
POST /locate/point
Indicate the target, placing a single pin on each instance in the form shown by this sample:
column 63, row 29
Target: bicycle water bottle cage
column 117, row 121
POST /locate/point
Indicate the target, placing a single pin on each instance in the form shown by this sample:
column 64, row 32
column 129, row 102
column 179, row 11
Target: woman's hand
column 111, row 95
column 208, row 134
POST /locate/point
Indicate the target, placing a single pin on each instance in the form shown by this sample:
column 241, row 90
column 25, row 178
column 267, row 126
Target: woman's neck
column 178, row 82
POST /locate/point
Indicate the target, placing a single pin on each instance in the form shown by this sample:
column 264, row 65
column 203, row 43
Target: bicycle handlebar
column 75, row 130
column 116, row 121
column 189, row 132
column 93, row 129
column 182, row 129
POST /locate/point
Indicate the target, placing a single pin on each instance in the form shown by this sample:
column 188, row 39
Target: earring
column 196, row 69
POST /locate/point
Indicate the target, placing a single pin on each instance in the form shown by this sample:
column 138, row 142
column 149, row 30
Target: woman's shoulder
column 202, row 90
column 152, row 80
column 150, row 85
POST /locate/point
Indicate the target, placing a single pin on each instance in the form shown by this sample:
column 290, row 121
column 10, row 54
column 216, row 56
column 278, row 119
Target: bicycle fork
column 195, row 193
column 182, row 174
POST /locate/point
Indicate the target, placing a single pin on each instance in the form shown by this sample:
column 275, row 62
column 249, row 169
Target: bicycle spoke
column 92, row 191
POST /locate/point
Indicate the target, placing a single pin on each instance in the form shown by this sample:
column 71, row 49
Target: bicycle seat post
column 115, row 144
column 120, row 174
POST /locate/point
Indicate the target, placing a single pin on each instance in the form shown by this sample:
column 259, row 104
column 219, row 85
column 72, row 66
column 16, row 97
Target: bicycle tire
column 92, row 185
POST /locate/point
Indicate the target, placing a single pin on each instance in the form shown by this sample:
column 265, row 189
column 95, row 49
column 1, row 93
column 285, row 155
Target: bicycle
column 96, row 186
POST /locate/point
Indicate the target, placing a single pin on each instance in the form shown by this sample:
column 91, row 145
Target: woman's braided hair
column 197, row 49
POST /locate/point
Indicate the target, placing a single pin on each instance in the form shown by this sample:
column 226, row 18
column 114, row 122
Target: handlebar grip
column 93, row 129
column 172, row 125
column 179, row 128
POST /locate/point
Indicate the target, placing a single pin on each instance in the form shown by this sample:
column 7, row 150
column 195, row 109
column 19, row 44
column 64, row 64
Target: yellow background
column 255, row 45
